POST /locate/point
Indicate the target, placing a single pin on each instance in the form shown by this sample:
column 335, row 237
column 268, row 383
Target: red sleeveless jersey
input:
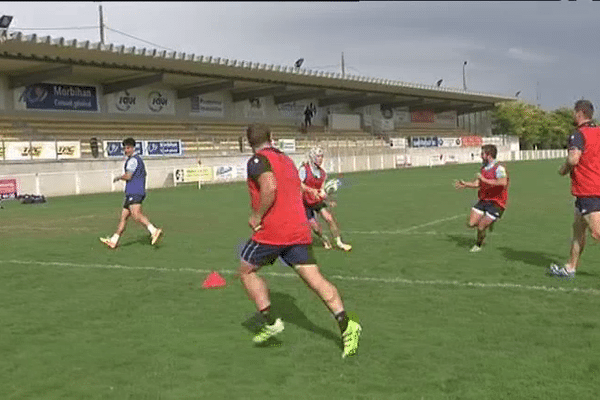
column 585, row 177
column 285, row 223
column 313, row 182
column 495, row 193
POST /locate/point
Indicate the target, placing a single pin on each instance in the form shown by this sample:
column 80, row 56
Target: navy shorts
column 489, row 208
column 259, row 254
column 133, row 199
column 312, row 211
column 586, row 205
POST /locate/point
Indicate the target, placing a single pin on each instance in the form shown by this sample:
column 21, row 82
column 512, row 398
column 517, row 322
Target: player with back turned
column 281, row 230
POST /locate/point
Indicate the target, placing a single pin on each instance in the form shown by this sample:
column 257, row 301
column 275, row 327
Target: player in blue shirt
column 135, row 192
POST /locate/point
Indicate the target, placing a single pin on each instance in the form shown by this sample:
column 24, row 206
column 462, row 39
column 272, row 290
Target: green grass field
column 80, row 321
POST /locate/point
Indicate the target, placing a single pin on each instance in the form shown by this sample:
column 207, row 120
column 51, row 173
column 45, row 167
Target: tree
column 535, row 127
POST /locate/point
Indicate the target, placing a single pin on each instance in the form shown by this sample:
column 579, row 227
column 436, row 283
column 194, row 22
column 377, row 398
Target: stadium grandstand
column 71, row 101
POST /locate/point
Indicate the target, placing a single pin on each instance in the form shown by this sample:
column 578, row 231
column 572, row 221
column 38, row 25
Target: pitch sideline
column 333, row 277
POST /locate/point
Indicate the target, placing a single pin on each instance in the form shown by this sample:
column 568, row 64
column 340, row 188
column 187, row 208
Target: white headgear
column 314, row 153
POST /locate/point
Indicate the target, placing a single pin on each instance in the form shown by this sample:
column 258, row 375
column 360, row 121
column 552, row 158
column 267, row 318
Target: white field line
column 44, row 228
column 516, row 286
column 406, row 230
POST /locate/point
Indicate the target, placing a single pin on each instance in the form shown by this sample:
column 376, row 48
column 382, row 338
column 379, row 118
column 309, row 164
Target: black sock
column 266, row 313
column 480, row 238
column 342, row 320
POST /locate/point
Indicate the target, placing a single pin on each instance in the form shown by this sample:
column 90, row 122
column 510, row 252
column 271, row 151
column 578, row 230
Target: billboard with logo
column 424, row 141
column 56, row 97
column 211, row 105
column 8, row 188
column 114, row 148
column 163, row 148
column 449, row 142
column 141, row 101
column 149, row 148
column 471, row 141
column 422, row 116
column 30, row 150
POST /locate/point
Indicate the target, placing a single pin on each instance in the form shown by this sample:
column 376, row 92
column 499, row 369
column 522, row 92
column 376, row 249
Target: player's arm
column 576, row 146
column 460, row 184
column 572, row 160
column 130, row 168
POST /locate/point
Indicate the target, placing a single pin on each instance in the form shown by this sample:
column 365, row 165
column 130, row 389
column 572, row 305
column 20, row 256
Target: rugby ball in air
column 332, row 186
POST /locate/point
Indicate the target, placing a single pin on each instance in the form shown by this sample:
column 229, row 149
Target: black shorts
column 587, row 205
column 133, row 199
column 312, row 211
column 490, row 208
column 259, row 254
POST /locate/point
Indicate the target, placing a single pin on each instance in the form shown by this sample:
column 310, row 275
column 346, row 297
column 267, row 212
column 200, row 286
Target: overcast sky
column 547, row 50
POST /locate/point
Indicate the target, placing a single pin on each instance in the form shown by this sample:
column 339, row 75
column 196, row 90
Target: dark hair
column 586, row 107
column 258, row 134
column 129, row 142
column 490, row 150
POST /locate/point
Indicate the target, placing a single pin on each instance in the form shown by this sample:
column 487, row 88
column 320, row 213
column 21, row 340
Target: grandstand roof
column 27, row 58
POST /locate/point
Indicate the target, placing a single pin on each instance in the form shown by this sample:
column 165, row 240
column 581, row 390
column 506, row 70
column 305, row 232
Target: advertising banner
column 495, row 140
column 193, row 174
column 68, row 149
column 398, row 143
column 30, row 150
column 287, row 145
column 423, row 141
column 471, row 141
column 225, row 172
column 163, row 148
column 54, row 96
column 424, row 116
column 141, row 101
column 8, row 188
column 449, row 142
column 114, row 148
column 206, row 106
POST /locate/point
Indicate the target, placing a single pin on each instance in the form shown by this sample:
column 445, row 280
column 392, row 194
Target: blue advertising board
column 163, row 147
column 54, row 96
column 114, row 148
column 424, row 141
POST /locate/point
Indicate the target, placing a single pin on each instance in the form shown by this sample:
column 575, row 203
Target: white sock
column 115, row 238
column 151, row 229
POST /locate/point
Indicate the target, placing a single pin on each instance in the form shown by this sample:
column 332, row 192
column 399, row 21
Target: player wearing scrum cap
column 313, row 177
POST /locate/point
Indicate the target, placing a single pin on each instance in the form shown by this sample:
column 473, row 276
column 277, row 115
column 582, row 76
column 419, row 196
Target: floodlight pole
column 343, row 67
column 101, row 24
column 464, row 77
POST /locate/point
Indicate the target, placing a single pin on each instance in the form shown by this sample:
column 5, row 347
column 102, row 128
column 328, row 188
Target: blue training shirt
column 137, row 184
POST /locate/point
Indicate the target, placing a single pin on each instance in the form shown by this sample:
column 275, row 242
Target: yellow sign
column 193, row 174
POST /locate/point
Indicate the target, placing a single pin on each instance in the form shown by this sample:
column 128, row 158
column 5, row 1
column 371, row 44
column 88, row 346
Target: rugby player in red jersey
column 492, row 182
column 313, row 177
column 281, row 230
column 583, row 165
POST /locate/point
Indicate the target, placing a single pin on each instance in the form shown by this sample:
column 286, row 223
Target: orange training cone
column 213, row 280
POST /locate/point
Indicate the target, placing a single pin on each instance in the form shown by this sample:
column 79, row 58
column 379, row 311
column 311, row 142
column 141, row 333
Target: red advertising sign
column 422, row 116
column 471, row 141
column 8, row 188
